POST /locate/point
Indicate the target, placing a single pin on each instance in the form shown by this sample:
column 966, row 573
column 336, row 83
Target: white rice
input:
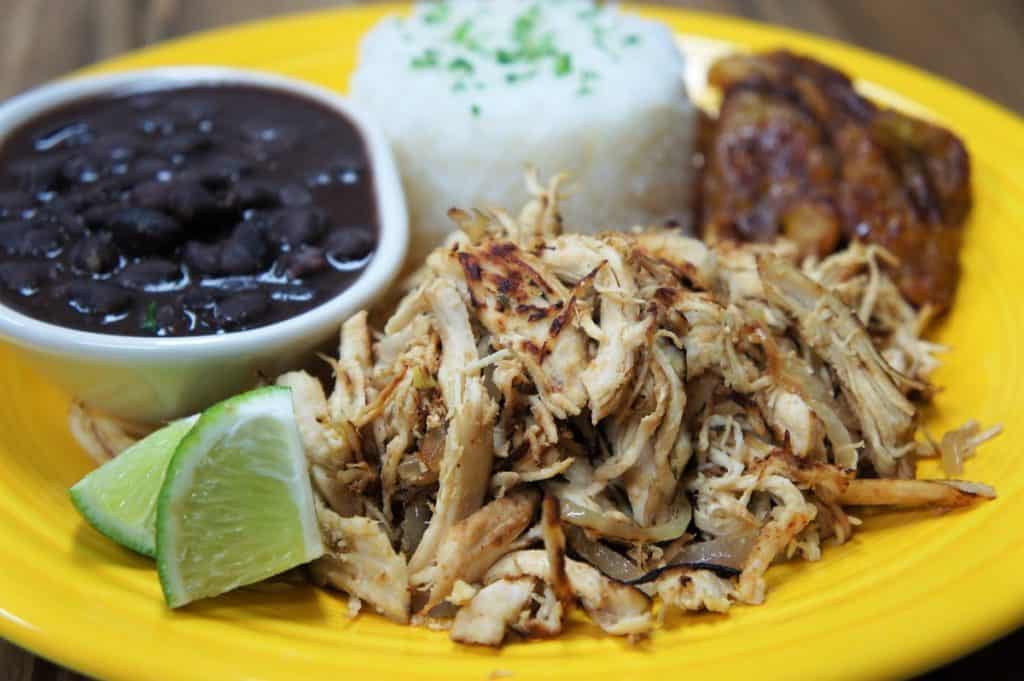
column 472, row 92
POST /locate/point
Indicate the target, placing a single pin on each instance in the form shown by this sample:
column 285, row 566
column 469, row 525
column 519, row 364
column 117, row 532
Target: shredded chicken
column 691, row 413
column 686, row 415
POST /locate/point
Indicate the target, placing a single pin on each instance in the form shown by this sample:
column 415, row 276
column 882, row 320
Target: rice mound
column 471, row 92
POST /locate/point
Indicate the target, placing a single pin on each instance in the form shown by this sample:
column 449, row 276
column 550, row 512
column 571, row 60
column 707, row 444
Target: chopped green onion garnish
column 437, row 14
column 563, row 64
column 428, row 59
column 149, row 323
column 460, row 65
column 462, row 31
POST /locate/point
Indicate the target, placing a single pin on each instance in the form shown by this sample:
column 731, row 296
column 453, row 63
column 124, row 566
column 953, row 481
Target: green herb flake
column 461, row 66
column 461, row 32
column 513, row 78
column 475, row 110
column 438, row 13
column 506, row 56
column 631, row 40
column 429, row 59
column 525, row 23
column 563, row 64
column 149, row 322
column 584, row 91
column 587, row 75
column 460, row 86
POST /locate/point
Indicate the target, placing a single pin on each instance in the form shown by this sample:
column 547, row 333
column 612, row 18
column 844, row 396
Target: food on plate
column 551, row 419
column 183, row 211
column 469, row 93
column 796, row 152
column 564, row 409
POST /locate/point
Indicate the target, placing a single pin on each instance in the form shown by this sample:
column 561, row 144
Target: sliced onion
column 722, row 555
column 414, row 524
column 727, row 551
column 607, row 560
column 604, row 524
column 959, row 444
column 973, row 488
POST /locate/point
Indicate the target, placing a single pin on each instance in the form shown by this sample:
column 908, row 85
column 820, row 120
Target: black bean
column 199, row 299
column 157, row 124
column 242, row 309
column 95, row 254
column 352, row 243
column 171, row 320
column 191, row 202
column 187, row 201
column 184, row 143
column 114, row 147
column 11, row 234
column 98, row 297
column 147, row 169
column 218, row 172
column 142, row 230
column 253, row 194
column 38, row 173
column 42, row 241
column 149, row 272
column 245, row 252
column 152, row 194
column 295, row 195
column 201, row 257
column 84, row 198
column 192, row 109
column 303, row 261
column 99, row 215
column 270, row 137
column 25, row 277
column 298, row 225
column 14, row 201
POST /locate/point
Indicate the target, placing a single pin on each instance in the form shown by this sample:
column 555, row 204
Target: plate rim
column 32, row 634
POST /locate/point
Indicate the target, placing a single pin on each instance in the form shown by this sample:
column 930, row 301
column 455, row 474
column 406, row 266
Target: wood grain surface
column 977, row 43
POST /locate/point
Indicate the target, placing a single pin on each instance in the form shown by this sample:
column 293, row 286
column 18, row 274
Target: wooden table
column 977, row 43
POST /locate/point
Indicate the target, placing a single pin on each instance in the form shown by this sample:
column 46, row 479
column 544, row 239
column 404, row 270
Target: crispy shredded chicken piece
column 102, row 437
column 475, row 543
column 359, row 559
column 617, row 608
column 494, row 608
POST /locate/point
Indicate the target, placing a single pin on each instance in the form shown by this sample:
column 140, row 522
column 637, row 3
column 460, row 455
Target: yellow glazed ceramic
column 909, row 592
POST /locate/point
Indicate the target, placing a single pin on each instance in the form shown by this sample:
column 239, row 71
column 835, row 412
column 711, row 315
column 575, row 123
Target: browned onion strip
column 593, row 519
column 609, row 561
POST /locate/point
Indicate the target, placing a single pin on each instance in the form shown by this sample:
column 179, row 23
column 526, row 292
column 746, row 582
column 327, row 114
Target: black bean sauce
column 183, row 212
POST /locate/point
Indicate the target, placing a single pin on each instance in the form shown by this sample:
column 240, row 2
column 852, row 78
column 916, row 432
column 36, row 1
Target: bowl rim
column 383, row 268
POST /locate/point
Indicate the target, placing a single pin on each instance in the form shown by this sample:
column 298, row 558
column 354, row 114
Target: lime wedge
column 119, row 497
column 236, row 506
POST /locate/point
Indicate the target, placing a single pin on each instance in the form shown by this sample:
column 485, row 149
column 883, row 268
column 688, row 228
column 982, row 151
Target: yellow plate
column 909, row 592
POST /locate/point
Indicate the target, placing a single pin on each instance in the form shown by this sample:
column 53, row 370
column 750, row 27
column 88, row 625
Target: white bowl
column 156, row 379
